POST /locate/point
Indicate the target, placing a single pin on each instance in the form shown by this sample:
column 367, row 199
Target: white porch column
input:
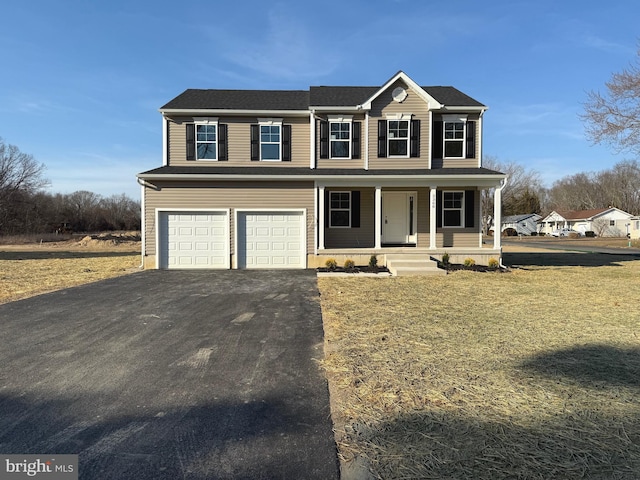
column 320, row 226
column 378, row 217
column 497, row 216
column 432, row 217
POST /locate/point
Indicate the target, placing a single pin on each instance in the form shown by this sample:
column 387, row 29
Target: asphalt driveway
column 171, row 375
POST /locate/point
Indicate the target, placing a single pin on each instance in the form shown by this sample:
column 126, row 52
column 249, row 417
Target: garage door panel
column 193, row 240
column 271, row 240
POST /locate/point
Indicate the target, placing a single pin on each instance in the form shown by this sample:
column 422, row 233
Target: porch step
column 404, row 265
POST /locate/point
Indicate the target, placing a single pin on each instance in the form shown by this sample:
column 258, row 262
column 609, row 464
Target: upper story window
column 270, row 140
column 340, row 139
column 454, row 127
column 399, row 136
column 206, row 141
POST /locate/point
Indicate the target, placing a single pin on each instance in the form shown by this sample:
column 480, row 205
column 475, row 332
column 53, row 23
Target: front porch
column 361, row 256
column 403, row 220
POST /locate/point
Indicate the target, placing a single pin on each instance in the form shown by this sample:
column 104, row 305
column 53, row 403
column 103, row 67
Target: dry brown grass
column 31, row 269
column 530, row 374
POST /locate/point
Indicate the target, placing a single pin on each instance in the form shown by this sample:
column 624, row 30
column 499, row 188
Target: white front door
column 399, row 217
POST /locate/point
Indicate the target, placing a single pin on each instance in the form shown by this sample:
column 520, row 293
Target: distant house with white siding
column 605, row 222
column 524, row 224
column 634, row 227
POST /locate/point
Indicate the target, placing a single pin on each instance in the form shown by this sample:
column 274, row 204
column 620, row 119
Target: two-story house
column 287, row 179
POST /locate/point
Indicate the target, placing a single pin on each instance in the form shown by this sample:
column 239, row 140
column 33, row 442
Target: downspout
column 142, row 184
column 497, row 217
column 312, row 135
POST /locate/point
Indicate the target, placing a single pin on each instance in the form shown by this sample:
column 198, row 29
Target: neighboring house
column 288, row 179
column 605, row 222
column 524, row 224
column 634, row 227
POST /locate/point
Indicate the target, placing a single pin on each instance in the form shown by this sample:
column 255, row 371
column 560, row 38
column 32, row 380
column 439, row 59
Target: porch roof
column 483, row 177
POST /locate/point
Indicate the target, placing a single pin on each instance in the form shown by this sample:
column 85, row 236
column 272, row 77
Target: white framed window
column 206, row 139
column 340, row 209
column 453, row 209
column 454, row 129
column 339, row 139
column 270, row 139
column 398, row 138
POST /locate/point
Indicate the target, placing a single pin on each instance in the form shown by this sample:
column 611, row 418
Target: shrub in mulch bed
column 453, row 267
column 354, row 269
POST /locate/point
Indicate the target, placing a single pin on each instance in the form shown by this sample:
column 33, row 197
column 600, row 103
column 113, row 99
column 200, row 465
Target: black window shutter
column 355, row 139
column 469, row 210
column 191, row 141
column 327, row 203
column 436, row 140
column 324, row 139
column 438, row 208
column 255, row 142
column 355, row 209
column 471, row 139
column 222, row 143
column 286, row 143
column 414, row 141
column 382, row 138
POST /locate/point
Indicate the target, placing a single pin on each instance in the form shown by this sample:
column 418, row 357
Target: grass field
column 32, row 268
column 529, row 374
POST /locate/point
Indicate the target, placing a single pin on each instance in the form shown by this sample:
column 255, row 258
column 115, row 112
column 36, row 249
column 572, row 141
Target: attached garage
column 271, row 239
column 193, row 239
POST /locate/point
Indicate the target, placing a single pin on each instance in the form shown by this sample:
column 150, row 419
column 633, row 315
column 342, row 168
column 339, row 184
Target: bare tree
column 613, row 118
column 20, row 177
column 520, row 195
column 617, row 187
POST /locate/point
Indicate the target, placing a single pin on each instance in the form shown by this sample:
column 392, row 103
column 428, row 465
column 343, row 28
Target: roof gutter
column 482, row 180
column 231, row 111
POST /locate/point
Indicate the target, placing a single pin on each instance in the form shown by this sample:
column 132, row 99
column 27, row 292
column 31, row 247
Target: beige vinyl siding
column 460, row 162
column 342, row 162
column 384, row 105
column 457, row 238
column 361, row 237
column 232, row 195
column 462, row 237
column 239, row 142
column 454, row 163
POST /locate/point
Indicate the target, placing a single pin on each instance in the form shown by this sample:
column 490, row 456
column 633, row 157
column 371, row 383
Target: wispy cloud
column 599, row 43
column 286, row 50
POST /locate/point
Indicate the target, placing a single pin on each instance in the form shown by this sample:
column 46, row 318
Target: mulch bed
column 453, row 267
column 356, row 269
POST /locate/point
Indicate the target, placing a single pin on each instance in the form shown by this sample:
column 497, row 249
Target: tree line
column 25, row 207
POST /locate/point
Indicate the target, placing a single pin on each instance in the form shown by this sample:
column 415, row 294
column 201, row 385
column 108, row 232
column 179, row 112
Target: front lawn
column 529, row 374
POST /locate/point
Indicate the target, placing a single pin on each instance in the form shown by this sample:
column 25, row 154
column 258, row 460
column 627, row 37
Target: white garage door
column 271, row 240
column 193, row 240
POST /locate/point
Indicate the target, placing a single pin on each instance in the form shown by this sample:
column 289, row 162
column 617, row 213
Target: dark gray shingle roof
column 241, row 100
column 452, row 97
column 194, row 99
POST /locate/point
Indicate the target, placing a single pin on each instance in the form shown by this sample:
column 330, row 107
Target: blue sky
column 82, row 81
